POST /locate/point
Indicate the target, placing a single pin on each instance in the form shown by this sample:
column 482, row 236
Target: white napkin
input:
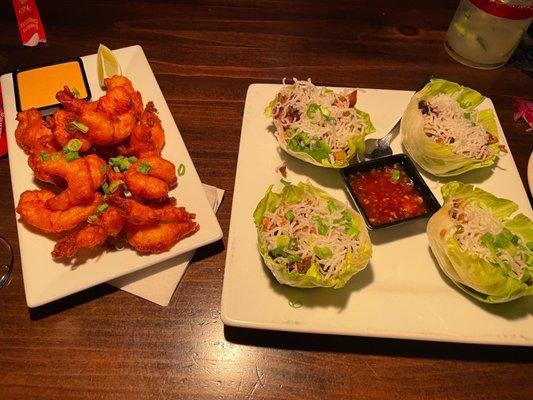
column 158, row 282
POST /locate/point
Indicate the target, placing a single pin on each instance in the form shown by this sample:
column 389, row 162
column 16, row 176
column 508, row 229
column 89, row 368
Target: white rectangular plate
column 46, row 280
column 401, row 294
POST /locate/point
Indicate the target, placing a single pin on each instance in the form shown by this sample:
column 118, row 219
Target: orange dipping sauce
column 37, row 86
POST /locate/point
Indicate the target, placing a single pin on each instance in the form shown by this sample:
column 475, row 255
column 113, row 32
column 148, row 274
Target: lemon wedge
column 106, row 64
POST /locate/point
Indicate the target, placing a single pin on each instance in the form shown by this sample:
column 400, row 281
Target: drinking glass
column 484, row 33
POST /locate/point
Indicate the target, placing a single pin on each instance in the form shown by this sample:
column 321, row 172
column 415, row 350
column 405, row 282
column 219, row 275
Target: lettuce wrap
column 308, row 239
column 318, row 125
column 446, row 133
column 480, row 247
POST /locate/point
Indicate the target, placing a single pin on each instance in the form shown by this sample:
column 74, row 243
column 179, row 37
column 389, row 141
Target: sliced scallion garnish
column 395, row 177
column 73, row 155
column 79, row 126
column 143, row 168
column 72, row 145
column 102, row 208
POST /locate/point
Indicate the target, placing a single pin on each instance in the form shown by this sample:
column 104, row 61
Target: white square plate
column 46, row 280
column 401, row 294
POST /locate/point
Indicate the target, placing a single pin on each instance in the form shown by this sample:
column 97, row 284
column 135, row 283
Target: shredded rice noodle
column 304, row 227
column 446, row 124
column 473, row 223
column 335, row 121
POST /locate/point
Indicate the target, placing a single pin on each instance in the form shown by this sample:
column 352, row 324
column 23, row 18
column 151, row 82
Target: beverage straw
column 29, row 22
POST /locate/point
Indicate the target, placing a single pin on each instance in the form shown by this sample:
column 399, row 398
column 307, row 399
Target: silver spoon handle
column 385, row 140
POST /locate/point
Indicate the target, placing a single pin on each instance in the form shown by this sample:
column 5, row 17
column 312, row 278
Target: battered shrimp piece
column 158, row 238
column 148, row 137
column 64, row 130
column 98, row 169
column 122, row 81
column 109, row 223
column 118, row 107
column 150, row 178
column 32, row 210
column 140, row 214
column 100, row 127
column 83, row 177
column 109, row 120
column 32, row 133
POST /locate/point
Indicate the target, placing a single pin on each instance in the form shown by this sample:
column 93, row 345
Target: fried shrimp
column 83, row 177
column 150, row 178
column 107, row 224
column 105, row 150
column 63, row 125
column 33, row 210
column 158, row 238
column 109, row 120
column 125, row 83
column 148, row 137
column 32, row 133
column 140, row 214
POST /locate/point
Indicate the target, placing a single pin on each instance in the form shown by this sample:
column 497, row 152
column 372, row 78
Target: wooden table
column 105, row 343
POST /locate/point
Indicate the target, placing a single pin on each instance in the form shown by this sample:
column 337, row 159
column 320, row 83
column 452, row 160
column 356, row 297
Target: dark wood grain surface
column 106, row 343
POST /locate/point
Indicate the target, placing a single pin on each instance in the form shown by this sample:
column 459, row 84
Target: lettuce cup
column 444, row 130
column 309, row 239
column 480, row 247
column 318, row 125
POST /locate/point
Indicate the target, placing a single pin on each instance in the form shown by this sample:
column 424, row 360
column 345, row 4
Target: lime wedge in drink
column 106, row 64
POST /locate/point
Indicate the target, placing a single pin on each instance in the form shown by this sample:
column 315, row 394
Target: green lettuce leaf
column 437, row 159
column 352, row 264
column 490, row 282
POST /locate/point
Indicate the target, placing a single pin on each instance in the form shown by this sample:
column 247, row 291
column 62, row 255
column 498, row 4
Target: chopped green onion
column 181, row 170
column 295, row 304
column 44, row 156
column 322, row 228
column 293, row 244
column 289, row 215
column 55, row 157
column 102, row 208
column 323, row 252
column 72, row 145
column 143, row 168
column 73, row 155
column 292, row 258
column 114, row 186
column 120, row 163
column 105, row 187
column 92, row 218
column 132, row 159
column 312, row 109
column 331, row 206
column 395, row 177
column 79, row 126
column 75, row 91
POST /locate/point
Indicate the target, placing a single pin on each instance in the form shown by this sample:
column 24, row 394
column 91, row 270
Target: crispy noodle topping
column 323, row 116
column 479, row 232
column 314, row 230
column 448, row 124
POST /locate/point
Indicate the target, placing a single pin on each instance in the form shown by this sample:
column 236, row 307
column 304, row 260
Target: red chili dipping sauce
column 387, row 194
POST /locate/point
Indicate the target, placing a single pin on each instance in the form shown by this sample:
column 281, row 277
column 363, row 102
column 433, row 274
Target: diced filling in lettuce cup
column 445, row 131
column 308, row 239
column 480, row 247
column 318, row 125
